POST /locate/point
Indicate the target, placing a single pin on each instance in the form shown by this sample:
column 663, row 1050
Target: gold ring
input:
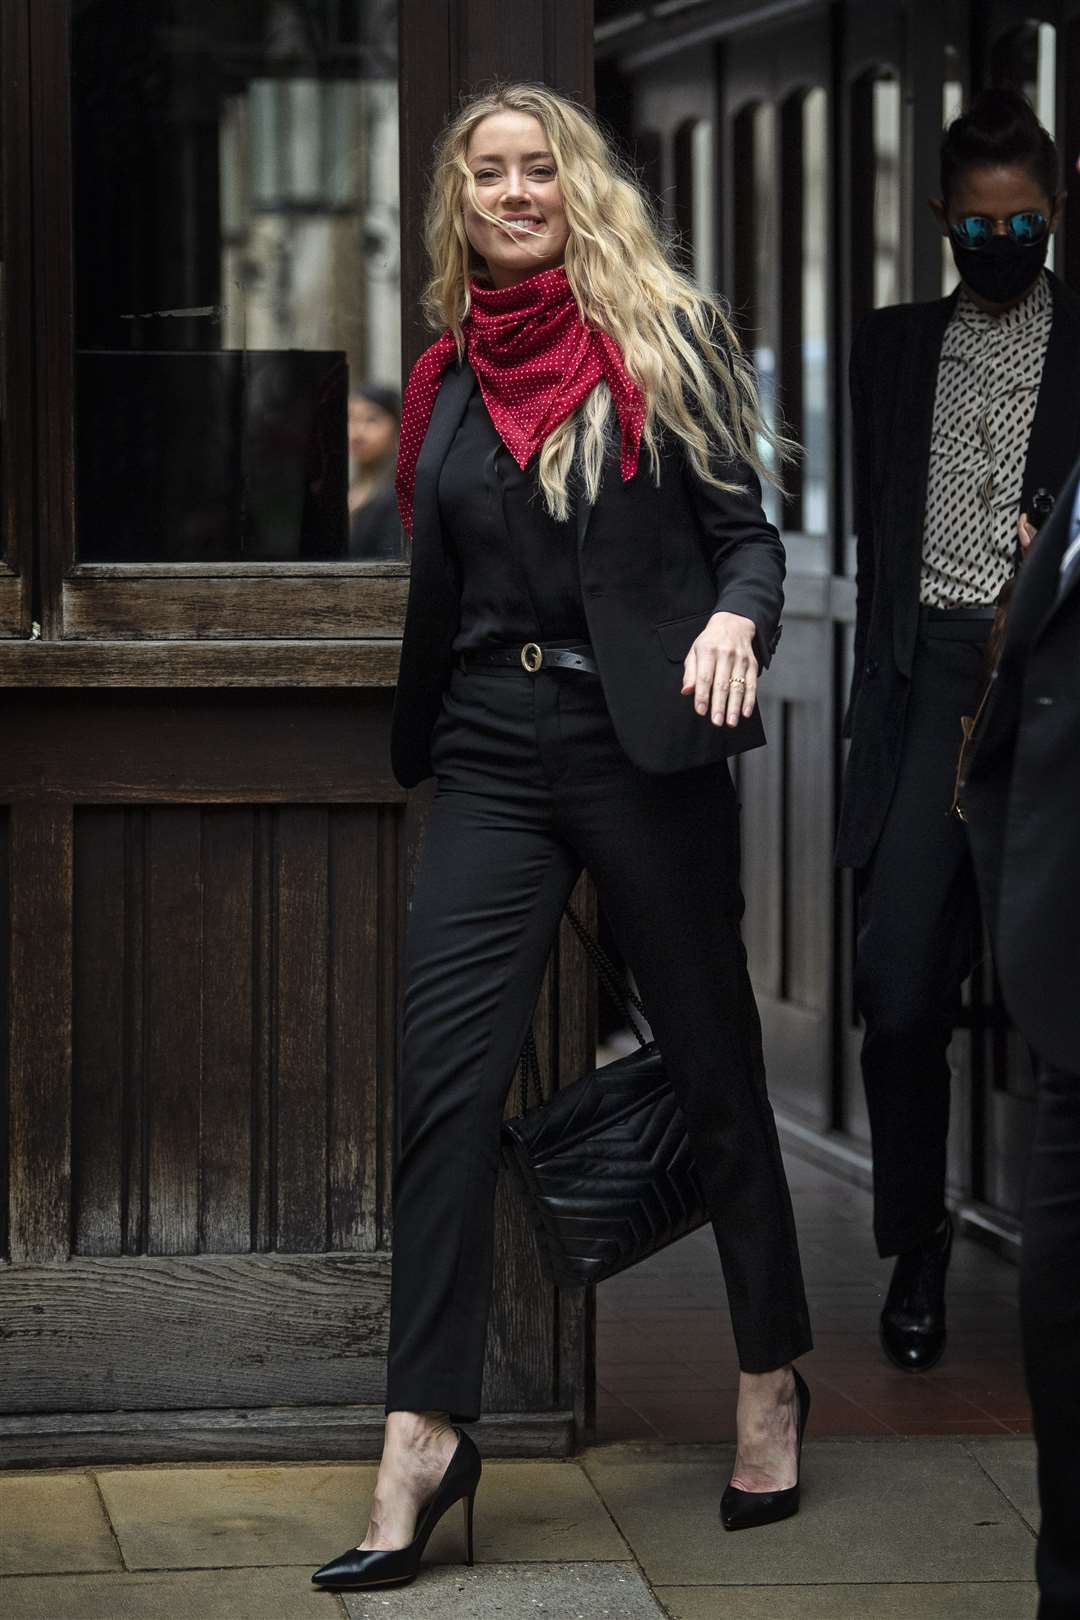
column 737, row 680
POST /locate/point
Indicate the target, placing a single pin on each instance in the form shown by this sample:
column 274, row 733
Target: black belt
column 957, row 623
column 532, row 657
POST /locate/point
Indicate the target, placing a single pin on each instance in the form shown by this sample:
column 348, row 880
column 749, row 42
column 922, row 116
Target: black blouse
column 518, row 567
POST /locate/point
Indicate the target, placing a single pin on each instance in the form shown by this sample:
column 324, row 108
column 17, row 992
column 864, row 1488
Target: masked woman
column 965, row 415
column 594, row 590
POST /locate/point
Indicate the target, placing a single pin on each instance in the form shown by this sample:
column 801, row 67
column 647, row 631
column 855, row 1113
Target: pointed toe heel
column 747, row 1510
column 357, row 1570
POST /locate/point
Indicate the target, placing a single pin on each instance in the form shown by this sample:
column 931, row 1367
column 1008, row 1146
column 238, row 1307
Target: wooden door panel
column 182, row 1331
column 230, row 970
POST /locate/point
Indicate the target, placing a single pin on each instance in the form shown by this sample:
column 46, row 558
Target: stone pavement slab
column 566, row 1591
column 939, row 1601
column 191, row 1518
column 229, row 1594
column 872, row 1512
column 1011, row 1465
column 53, row 1522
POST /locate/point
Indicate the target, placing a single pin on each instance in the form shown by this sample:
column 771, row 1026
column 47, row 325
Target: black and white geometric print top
column 987, row 388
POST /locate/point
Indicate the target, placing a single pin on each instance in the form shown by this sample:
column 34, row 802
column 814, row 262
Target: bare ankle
column 417, row 1431
column 778, row 1385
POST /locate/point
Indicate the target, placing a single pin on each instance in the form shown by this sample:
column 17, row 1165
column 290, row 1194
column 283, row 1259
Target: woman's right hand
column 1025, row 534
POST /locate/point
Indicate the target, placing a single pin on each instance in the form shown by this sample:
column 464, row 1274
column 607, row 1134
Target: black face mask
column 1002, row 269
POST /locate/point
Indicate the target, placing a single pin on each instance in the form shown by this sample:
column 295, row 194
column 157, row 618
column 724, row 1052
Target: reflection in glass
column 703, row 161
column 237, row 275
column 952, row 104
column 886, row 125
column 1026, row 59
column 815, row 467
column 766, row 261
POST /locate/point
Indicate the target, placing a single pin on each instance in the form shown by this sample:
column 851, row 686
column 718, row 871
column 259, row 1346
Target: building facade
column 209, row 233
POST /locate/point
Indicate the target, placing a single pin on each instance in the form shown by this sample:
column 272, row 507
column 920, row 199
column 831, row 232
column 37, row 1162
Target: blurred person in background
column 962, row 410
column 374, row 424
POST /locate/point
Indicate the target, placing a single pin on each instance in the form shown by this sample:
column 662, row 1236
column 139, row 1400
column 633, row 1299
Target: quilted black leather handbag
column 604, row 1164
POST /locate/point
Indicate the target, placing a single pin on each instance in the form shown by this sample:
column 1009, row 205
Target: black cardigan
column 894, row 366
column 656, row 561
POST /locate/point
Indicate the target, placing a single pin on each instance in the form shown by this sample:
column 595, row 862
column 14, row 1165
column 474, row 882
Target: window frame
column 16, row 360
column 145, row 601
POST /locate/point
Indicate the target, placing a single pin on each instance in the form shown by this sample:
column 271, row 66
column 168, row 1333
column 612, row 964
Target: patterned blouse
column 987, row 388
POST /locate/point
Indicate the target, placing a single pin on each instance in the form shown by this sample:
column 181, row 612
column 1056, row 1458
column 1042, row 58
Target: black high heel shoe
column 356, row 1570
column 745, row 1510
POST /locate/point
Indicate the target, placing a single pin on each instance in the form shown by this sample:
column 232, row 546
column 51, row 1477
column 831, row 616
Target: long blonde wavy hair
column 678, row 344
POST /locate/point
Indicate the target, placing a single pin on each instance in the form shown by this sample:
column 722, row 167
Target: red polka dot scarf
column 535, row 361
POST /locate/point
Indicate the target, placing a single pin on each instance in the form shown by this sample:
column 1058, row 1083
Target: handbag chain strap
column 620, row 993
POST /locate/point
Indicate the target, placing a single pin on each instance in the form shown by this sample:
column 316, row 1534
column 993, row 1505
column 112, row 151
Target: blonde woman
column 594, row 591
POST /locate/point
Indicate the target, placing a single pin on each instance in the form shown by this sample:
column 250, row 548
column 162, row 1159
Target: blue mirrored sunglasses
column 975, row 230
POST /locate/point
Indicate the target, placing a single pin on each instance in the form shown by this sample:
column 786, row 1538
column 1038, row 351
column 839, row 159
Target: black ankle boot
column 913, row 1321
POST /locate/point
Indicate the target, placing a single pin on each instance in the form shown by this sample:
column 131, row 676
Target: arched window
column 756, row 242
column 815, row 245
column 695, row 198
column 877, row 270
column 1026, row 59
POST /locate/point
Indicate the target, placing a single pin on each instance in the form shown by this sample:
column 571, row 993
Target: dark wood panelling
column 11, row 600
column 5, row 985
column 194, row 1331
column 300, row 1020
column 139, row 747
column 173, row 1041
column 40, row 861
column 279, row 1433
column 100, row 1048
column 276, row 605
column 228, row 940
column 171, row 664
column 235, row 973
column 228, row 1071
column 363, row 934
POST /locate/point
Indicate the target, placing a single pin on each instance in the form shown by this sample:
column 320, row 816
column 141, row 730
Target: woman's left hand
column 721, row 669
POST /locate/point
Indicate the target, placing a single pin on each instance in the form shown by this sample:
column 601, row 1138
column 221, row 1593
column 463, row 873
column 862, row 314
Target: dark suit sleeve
column 745, row 551
column 862, row 502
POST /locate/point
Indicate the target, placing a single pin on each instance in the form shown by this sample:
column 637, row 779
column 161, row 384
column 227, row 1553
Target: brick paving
column 667, row 1368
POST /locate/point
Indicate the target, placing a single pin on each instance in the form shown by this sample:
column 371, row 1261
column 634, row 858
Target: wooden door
column 205, row 863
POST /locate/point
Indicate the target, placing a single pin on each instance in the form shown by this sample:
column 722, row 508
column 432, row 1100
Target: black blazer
column 1022, row 800
column 656, row 561
column 894, row 365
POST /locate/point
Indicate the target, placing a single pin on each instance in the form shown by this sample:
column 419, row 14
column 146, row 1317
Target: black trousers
column 1050, row 1319
column 532, row 785
column 918, row 938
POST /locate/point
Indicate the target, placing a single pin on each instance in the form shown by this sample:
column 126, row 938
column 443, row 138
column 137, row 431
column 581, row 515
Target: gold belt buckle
column 532, row 657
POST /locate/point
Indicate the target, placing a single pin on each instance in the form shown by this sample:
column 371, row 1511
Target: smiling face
column 516, row 180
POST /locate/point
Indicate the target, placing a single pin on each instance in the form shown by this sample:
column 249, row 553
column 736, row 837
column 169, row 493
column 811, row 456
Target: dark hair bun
column 999, row 129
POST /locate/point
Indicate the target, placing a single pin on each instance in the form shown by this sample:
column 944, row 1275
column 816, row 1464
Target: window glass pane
column 4, row 537
column 766, row 259
column 704, row 173
column 815, row 212
column 237, row 279
column 952, row 104
column 886, row 117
